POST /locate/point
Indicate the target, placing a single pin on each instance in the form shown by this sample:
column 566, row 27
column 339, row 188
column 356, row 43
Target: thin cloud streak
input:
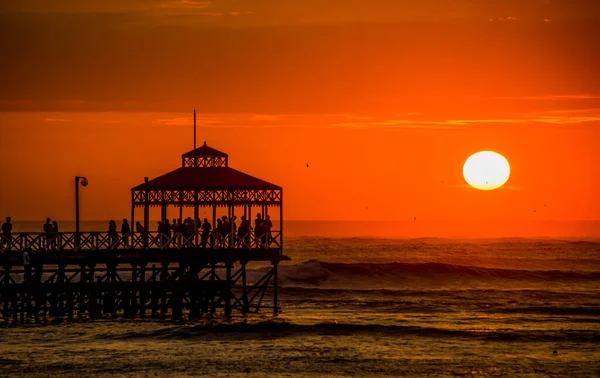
column 552, row 97
column 58, row 120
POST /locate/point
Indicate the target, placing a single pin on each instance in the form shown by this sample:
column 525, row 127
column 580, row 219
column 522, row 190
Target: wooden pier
column 172, row 275
column 169, row 277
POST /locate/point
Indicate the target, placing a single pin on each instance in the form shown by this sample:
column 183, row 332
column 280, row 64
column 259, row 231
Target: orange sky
column 384, row 101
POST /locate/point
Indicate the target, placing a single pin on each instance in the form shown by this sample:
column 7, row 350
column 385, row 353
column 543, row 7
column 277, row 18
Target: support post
column 146, row 212
column 245, row 289
column 275, row 307
column 228, row 280
column 231, row 224
column 214, row 225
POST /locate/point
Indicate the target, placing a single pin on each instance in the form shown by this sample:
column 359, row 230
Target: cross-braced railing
column 92, row 241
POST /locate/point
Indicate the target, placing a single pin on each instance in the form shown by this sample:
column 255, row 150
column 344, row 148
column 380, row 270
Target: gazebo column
column 181, row 205
column 132, row 225
column 214, row 223
column 281, row 222
column 163, row 212
column 251, row 224
column 146, row 213
column 231, row 223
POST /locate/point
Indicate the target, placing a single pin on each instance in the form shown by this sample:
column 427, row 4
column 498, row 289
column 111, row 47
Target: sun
column 486, row 170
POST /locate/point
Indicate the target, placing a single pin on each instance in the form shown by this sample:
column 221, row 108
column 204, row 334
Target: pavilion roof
column 204, row 150
column 207, row 178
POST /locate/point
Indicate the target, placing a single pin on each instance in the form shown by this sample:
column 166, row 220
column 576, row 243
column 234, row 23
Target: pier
column 178, row 275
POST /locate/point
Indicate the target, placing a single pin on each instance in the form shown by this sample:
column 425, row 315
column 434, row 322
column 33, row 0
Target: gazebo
column 205, row 180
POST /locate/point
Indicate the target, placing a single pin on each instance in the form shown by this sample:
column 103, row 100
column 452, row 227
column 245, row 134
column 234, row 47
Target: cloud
column 187, row 8
column 405, row 124
column 264, row 117
column 583, row 96
column 176, row 121
column 186, row 4
column 57, row 120
column 188, row 120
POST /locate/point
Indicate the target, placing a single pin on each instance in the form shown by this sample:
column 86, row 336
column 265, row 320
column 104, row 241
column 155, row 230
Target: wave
column 274, row 329
column 315, row 273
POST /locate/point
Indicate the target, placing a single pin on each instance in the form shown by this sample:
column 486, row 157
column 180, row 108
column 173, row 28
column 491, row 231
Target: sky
column 384, row 100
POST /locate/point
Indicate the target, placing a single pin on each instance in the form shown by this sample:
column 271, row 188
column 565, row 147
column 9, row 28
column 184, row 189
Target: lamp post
column 84, row 182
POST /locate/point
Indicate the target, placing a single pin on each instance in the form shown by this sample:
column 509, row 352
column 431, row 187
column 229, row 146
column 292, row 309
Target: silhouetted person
column 268, row 226
column 219, row 231
column 7, row 233
column 244, row 231
column 182, row 227
column 125, row 232
column 27, row 265
column 259, row 228
column 177, row 231
column 54, row 234
column 190, row 226
column 206, row 227
column 47, row 227
column 112, row 234
column 164, row 230
column 167, row 229
column 233, row 224
column 226, row 226
column 139, row 228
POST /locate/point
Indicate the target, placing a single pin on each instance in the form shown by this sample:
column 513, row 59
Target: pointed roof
column 204, row 150
column 207, row 178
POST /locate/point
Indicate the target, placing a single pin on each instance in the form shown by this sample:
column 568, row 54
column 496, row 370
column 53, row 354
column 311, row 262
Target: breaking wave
column 320, row 274
column 274, row 329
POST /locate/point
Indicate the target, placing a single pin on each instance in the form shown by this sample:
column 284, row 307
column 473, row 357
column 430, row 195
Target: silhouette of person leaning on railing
column 139, row 228
column 260, row 231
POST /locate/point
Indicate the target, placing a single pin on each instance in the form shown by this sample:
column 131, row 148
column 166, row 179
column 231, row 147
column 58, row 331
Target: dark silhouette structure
column 192, row 271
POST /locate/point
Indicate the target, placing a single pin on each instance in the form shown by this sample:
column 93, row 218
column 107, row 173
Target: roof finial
column 205, row 143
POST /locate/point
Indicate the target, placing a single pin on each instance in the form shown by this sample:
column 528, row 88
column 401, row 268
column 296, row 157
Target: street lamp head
column 84, row 181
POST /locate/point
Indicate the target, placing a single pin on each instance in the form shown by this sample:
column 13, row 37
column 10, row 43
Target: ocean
column 366, row 305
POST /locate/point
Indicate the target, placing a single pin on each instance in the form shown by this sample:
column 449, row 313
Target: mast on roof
column 194, row 129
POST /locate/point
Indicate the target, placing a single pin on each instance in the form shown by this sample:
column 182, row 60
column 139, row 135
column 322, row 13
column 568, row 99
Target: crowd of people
column 225, row 229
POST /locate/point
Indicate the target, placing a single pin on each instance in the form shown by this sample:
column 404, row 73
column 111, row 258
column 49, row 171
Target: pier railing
column 96, row 241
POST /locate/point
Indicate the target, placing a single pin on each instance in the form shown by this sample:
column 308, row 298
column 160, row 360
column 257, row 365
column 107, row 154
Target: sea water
column 363, row 306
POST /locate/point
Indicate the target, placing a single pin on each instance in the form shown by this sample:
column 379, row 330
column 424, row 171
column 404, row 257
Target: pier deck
column 91, row 274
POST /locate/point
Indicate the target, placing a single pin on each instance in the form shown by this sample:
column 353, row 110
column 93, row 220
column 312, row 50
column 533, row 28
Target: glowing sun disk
column 486, row 170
